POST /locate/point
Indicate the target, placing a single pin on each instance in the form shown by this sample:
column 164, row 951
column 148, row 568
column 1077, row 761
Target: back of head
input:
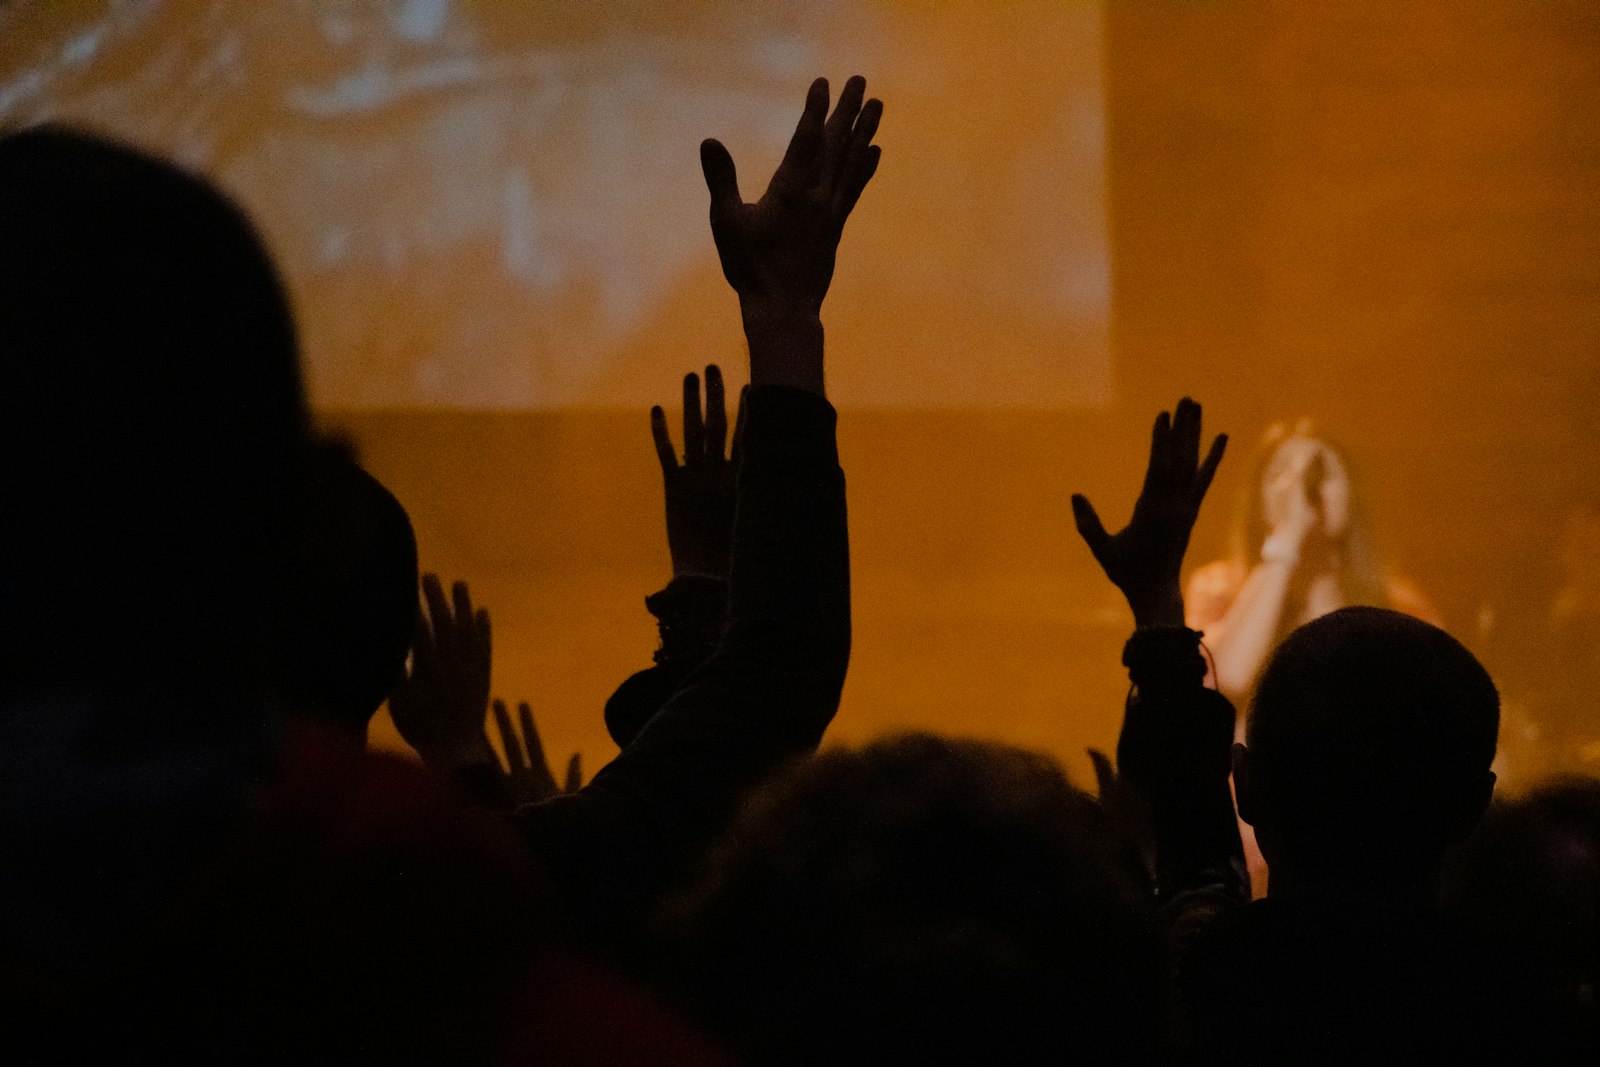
column 924, row 899
column 1370, row 739
column 151, row 434
column 150, row 422
column 351, row 604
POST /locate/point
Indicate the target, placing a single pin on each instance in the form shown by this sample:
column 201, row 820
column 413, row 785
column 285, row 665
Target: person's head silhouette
column 925, row 899
column 151, row 424
column 350, row 611
column 1367, row 752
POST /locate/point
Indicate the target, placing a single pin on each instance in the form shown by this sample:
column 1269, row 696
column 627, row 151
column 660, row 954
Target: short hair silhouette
column 1369, row 744
column 924, row 899
column 150, row 426
column 351, row 610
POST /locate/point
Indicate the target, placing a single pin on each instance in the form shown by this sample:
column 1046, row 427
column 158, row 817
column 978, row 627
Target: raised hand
column 1288, row 495
column 782, row 247
column 778, row 253
column 439, row 706
column 1145, row 558
column 700, row 490
column 528, row 775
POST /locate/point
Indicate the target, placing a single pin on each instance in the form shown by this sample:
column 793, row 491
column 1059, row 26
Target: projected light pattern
column 496, row 205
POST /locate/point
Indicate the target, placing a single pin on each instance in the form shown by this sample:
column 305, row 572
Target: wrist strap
column 1279, row 548
column 689, row 613
column 1164, row 656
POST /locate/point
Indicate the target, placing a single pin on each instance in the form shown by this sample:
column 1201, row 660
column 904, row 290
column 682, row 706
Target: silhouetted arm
column 1175, row 748
column 1241, row 638
column 1177, row 735
column 772, row 686
column 1243, row 635
column 692, row 610
column 764, row 697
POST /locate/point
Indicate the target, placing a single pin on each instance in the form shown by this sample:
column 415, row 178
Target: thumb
column 575, row 773
column 1105, row 775
column 1089, row 527
column 1208, row 468
column 722, row 180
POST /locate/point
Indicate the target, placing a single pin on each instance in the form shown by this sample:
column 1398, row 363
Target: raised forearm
column 1243, row 638
column 764, row 697
column 772, row 685
column 1164, row 608
column 1175, row 747
column 786, row 344
column 791, row 566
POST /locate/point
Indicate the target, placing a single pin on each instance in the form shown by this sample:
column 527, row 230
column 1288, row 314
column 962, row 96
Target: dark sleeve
column 1176, row 748
column 764, row 697
column 483, row 785
column 690, row 613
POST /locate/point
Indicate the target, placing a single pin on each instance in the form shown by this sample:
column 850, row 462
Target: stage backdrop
column 497, row 205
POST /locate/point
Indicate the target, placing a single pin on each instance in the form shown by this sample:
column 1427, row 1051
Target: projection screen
column 497, row 205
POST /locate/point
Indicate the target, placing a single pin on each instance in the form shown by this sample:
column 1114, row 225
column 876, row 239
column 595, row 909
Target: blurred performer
column 1302, row 547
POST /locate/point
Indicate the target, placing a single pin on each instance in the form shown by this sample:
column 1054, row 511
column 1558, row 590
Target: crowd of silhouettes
column 209, row 598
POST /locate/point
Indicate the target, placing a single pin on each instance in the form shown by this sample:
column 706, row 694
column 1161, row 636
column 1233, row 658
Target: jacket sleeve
column 691, row 613
column 1176, row 749
column 764, row 697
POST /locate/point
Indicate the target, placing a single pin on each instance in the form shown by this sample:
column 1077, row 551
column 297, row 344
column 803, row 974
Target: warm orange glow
column 1380, row 215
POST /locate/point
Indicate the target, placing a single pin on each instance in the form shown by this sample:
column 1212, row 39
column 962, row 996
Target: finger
column 423, row 653
column 574, row 773
column 1208, row 469
column 866, row 127
column 538, row 766
column 439, row 617
column 856, row 179
column 1160, row 436
column 722, row 178
column 1185, row 436
column 510, row 744
column 1300, row 462
column 1105, row 775
column 1090, row 528
column 465, row 628
column 716, row 413
column 694, row 426
column 736, row 452
column 859, row 141
column 530, row 735
column 658, row 431
column 836, row 134
column 484, row 633
column 803, row 154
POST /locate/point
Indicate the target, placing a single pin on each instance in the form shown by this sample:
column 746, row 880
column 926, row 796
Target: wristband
column 1280, row 548
column 690, row 613
column 1164, row 656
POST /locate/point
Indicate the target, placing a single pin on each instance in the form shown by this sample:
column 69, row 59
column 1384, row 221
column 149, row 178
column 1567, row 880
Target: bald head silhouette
column 1368, row 748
